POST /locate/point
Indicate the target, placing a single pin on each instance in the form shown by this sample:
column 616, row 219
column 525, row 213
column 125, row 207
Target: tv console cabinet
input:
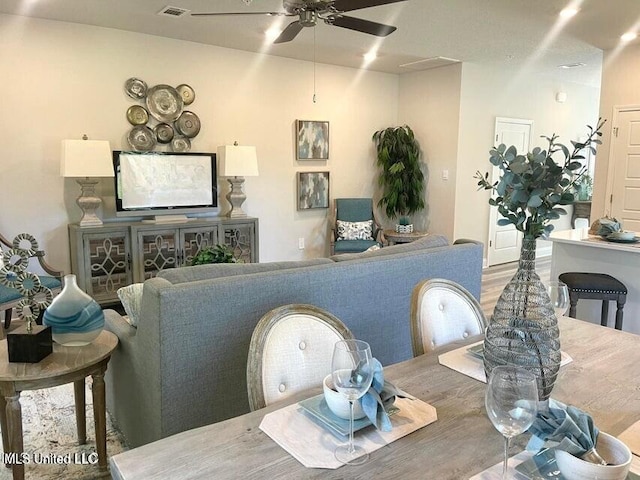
column 117, row 254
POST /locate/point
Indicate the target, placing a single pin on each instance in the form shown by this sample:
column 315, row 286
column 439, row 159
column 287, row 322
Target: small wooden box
column 31, row 347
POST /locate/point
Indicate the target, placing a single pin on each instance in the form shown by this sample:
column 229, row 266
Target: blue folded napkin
column 379, row 398
column 563, row 427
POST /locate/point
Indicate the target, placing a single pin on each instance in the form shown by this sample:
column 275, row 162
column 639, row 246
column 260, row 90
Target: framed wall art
column 312, row 140
column 313, row 190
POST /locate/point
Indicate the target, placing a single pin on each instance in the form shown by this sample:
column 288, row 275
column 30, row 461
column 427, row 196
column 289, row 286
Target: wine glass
column 559, row 295
column 352, row 373
column 512, row 401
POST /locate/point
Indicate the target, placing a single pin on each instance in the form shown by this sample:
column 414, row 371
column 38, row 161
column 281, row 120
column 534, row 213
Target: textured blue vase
column 75, row 318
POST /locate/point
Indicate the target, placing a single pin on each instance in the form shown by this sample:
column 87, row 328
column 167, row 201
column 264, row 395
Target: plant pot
column 523, row 330
column 404, row 228
column 75, row 318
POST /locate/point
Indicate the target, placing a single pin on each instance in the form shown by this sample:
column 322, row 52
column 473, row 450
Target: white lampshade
column 86, row 158
column 237, row 161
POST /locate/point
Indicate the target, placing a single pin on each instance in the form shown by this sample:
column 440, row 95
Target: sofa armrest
column 460, row 241
column 115, row 323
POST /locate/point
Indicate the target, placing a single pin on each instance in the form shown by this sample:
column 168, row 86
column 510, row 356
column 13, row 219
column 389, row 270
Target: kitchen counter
column 577, row 251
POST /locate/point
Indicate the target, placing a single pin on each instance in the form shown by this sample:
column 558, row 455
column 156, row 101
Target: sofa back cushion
column 219, row 270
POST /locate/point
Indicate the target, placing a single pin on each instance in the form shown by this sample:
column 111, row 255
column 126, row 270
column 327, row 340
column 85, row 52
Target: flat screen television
column 167, row 186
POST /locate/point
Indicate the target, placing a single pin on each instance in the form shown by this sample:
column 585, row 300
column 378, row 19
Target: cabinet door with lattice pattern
column 241, row 238
column 193, row 240
column 109, row 264
column 158, row 249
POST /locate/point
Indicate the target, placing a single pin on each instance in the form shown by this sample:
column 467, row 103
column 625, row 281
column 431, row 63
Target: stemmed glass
column 512, row 401
column 352, row 373
column 559, row 295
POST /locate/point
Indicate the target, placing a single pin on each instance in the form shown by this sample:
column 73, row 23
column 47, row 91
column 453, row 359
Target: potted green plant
column 214, row 254
column 401, row 178
column 584, row 188
column 532, row 189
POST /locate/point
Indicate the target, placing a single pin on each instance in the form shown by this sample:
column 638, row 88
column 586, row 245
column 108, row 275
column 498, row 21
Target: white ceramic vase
column 75, row 318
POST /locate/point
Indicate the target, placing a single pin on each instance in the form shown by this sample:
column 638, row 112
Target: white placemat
column 462, row 361
column 631, row 436
column 314, row 447
column 495, row 472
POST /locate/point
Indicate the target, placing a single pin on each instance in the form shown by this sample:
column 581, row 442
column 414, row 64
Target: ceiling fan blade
column 208, row 14
column 364, row 26
column 350, row 5
column 289, row 33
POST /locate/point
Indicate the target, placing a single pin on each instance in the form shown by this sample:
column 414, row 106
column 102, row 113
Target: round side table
column 394, row 237
column 64, row 365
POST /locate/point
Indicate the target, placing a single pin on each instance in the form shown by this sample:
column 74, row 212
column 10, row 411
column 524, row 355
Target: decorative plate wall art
column 135, row 88
column 187, row 93
column 161, row 121
column 137, row 115
column 164, row 103
column 164, row 132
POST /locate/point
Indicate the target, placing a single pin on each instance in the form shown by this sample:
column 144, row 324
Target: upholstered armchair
column 12, row 252
column 354, row 226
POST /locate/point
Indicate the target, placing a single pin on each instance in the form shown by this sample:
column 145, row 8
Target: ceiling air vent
column 427, row 63
column 573, row 65
column 175, row 12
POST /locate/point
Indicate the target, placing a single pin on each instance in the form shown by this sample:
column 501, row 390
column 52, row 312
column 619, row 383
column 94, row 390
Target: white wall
column 620, row 87
column 430, row 104
column 62, row 80
column 491, row 91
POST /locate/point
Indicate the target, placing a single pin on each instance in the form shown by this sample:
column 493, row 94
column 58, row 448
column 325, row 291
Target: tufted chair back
column 442, row 312
column 290, row 351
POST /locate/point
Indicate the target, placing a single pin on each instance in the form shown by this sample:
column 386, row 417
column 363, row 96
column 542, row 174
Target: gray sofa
column 184, row 365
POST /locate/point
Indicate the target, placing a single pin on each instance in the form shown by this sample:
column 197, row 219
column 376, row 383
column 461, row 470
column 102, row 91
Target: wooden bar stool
column 596, row 286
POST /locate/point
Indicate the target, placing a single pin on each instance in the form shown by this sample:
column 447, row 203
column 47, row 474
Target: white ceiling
column 480, row 31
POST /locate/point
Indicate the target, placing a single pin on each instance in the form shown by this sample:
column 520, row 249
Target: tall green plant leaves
column 401, row 178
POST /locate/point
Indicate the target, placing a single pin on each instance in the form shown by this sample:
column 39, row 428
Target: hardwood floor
column 495, row 278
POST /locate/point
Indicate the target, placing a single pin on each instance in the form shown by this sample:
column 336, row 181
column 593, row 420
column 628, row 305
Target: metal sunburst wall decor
column 161, row 119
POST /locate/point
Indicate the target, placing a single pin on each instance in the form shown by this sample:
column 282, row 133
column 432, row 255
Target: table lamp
column 237, row 162
column 84, row 160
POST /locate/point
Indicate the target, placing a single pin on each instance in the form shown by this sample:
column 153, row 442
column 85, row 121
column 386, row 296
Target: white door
column 504, row 241
column 625, row 157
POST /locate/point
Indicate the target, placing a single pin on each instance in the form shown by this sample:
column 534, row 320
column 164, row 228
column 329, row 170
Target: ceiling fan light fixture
column 330, row 12
column 308, row 18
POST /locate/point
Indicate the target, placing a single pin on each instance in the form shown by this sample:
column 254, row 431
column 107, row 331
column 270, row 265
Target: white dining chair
column 290, row 351
column 443, row 311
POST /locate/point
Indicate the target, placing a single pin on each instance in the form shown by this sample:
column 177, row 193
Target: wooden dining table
column 603, row 379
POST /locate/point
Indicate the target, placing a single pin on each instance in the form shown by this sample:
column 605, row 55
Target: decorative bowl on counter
column 622, row 235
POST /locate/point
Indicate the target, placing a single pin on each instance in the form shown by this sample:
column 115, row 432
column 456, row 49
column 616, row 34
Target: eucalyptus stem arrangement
column 532, row 185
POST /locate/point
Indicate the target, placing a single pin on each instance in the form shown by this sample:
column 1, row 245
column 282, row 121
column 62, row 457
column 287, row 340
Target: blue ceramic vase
column 75, row 318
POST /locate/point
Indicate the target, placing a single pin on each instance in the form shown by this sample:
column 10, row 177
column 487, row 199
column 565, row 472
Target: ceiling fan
column 329, row 11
